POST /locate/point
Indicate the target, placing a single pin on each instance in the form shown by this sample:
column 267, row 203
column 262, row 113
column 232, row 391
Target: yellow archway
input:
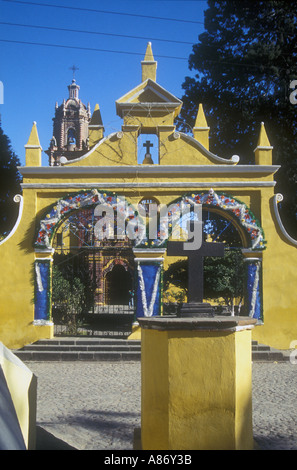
column 186, row 166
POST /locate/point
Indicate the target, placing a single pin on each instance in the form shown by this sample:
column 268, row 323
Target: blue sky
column 36, row 76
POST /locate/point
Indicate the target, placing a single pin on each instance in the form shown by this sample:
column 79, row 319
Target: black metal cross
column 195, row 267
column 148, row 144
column 73, row 68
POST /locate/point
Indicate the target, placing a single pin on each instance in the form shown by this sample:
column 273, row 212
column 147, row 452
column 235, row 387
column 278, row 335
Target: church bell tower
column 70, row 128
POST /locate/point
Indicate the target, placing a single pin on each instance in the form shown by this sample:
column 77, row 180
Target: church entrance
column 92, row 279
column 118, row 286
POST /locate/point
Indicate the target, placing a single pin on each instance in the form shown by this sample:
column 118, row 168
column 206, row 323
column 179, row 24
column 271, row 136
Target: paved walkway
column 95, row 406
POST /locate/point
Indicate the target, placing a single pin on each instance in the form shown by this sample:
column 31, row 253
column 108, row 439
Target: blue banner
column 42, row 290
column 254, row 290
column 148, row 289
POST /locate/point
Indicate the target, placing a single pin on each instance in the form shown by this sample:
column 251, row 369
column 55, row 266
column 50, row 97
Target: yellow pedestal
column 196, row 383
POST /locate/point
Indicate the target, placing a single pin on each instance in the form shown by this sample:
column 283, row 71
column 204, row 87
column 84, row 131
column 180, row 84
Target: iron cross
column 148, row 144
column 74, row 69
column 196, row 263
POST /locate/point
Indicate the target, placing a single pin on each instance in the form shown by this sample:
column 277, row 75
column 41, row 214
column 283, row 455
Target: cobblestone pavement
column 96, row 405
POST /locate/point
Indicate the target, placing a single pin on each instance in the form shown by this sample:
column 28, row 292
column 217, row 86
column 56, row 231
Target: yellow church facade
column 185, row 170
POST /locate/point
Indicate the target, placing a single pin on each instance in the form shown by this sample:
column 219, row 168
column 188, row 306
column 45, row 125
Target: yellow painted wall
column 17, row 283
column 279, row 281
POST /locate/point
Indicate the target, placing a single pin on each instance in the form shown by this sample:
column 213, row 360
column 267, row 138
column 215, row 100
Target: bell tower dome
column 73, row 89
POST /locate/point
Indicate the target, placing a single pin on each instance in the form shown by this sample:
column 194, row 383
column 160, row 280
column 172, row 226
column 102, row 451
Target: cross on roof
column 195, row 267
column 148, row 144
column 74, row 69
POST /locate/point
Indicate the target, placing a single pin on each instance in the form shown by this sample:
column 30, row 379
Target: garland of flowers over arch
column 238, row 209
column 64, row 206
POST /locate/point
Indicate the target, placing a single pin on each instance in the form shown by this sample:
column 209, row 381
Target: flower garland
column 134, row 224
column 148, row 310
column 226, row 203
column 83, row 199
column 240, row 211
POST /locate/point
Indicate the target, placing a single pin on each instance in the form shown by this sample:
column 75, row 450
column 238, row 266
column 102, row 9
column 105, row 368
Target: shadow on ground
column 47, row 441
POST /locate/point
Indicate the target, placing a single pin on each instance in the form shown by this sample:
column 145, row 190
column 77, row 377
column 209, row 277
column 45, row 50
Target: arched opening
column 231, row 283
column 219, row 227
column 92, row 269
column 118, row 286
column 147, row 205
column 69, row 228
column 83, row 257
column 71, row 139
column 148, row 148
column 229, row 208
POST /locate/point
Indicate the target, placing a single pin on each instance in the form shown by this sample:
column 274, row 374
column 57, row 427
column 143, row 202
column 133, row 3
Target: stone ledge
column 221, row 323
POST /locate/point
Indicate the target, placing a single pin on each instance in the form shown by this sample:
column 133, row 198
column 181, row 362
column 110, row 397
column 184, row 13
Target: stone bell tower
column 70, row 128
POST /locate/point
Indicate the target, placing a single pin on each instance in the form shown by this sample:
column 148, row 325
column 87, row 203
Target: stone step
column 260, row 347
column 99, row 349
column 270, row 355
column 264, row 353
column 80, row 349
column 42, row 356
column 77, row 347
column 88, row 341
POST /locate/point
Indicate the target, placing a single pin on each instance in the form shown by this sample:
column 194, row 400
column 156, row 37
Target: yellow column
column 196, row 383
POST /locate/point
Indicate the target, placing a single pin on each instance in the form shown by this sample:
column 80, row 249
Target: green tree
column 10, row 184
column 223, row 278
column 245, row 62
column 67, row 299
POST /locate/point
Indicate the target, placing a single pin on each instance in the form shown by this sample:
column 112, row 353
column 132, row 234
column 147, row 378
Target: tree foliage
column 72, row 290
column 10, row 184
column 68, row 300
column 223, row 278
column 245, row 62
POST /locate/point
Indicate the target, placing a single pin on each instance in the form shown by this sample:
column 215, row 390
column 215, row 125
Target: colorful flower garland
column 83, row 199
column 137, row 229
column 222, row 201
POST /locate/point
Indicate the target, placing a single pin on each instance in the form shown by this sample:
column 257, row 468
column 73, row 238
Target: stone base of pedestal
column 196, row 383
column 201, row 310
